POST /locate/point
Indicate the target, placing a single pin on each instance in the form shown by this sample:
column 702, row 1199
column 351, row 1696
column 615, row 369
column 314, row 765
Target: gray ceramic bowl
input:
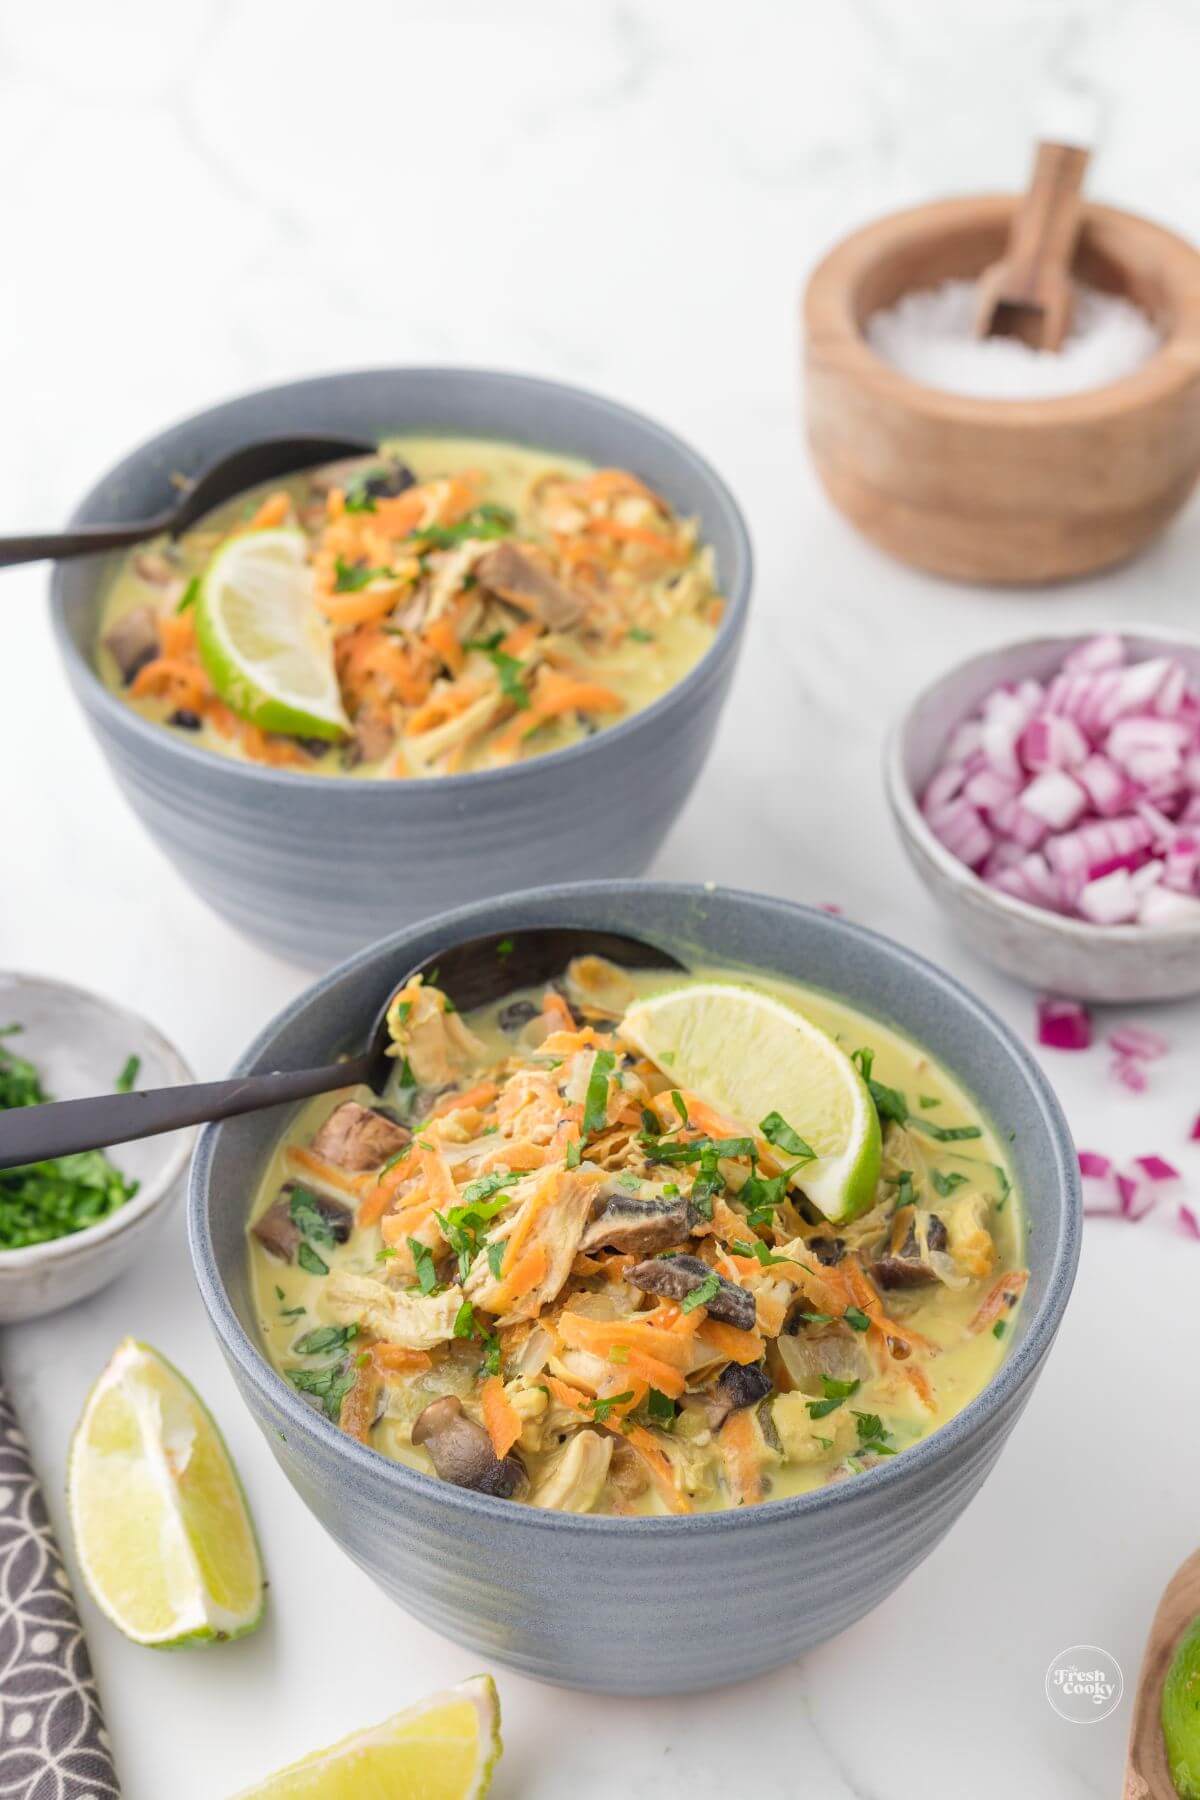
column 1134, row 963
column 79, row 1043
column 314, row 867
column 648, row 1606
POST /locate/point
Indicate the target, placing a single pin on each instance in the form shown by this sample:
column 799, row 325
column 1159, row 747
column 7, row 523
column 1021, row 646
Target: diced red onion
column 1082, row 795
column 1195, row 1132
column 1188, row 1221
column 1094, row 1166
column 1156, row 1168
column 1063, row 1024
column 1130, row 1073
column 1138, row 1042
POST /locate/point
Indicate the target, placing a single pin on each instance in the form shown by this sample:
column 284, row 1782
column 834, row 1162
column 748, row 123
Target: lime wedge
column 1181, row 1714
column 443, row 1748
column 748, row 1055
column 264, row 644
column 162, row 1532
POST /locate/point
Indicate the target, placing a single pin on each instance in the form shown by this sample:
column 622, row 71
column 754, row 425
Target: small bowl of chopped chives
column 69, row 1227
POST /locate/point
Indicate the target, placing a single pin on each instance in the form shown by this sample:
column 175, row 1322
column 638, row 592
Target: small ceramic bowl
column 1058, row 955
column 79, row 1043
column 313, row 867
column 648, row 1605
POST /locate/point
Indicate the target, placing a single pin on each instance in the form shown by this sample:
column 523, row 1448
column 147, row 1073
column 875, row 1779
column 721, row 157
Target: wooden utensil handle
column 1047, row 221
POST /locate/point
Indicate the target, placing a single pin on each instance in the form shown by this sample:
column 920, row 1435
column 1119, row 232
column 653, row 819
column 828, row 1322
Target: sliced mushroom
column 462, row 1451
column 642, row 1226
column 184, row 719
column 741, row 1384
column 358, row 1138
column 575, row 1478
column 373, row 738
column 675, row 1277
column 133, row 641
column 905, row 1263
column 514, row 576
column 278, row 1232
column 516, row 1015
column 827, row 1250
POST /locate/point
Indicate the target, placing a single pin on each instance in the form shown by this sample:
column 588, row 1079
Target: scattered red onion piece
column 1063, row 1024
column 1156, row 1168
column 1130, row 1074
column 1188, row 1221
column 1077, row 794
column 1094, row 1166
column 1195, row 1131
column 1137, row 1042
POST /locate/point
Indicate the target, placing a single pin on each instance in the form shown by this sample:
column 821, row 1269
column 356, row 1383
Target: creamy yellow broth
column 644, row 622
column 292, row 1303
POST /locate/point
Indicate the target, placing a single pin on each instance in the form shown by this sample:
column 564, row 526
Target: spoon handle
column 59, row 545
column 38, row 1133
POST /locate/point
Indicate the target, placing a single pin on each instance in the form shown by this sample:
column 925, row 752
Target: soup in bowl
column 514, row 663
column 572, row 1329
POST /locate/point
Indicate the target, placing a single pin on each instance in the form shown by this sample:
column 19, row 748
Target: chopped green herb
column 574, row 1153
column 864, row 1061
column 351, row 578
column 670, row 1187
column 464, row 1321
column 405, row 1078
column 871, row 1435
column 904, row 1189
column 190, row 595
column 511, row 671
column 927, row 1102
column 709, row 1288
column 946, row 1183
column 811, row 1318
column 777, row 1131
column 595, row 1105
column 308, row 1259
column 835, row 1393
column 600, row 1409
column 856, row 1319
column 386, row 1254
column 889, row 1101
column 422, row 1257
column 505, row 947
column 660, row 1407
column 484, row 1186
column 45, row 1200
column 639, row 636
column 760, row 1250
column 329, row 1385
column 485, row 521
column 495, row 1258
column 491, row 1353
column 305, row 1212
column 946, row 1134
column 129, row 1074
column 999, row 1328
column 677, row 1101
column 325, row 1337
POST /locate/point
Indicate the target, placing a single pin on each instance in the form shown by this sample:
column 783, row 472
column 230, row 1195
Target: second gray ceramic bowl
column 314, row 867
column 662, row 1605
column 1045, row 950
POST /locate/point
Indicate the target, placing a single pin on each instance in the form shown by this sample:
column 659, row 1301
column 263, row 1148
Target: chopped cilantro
column 329, row 1385
column 495, row 1258
column 422, row 1257
column 708, row 1289
column 574, row 1153
column 871, row 1435
column 864, row 1061
column 485, row 521
column 946, row 1183
column 600, row 1409
column 505, row 947
column 129, row 1074
column 999, row 1328
column 758, row 1249
column 856, row 1319
column 677, row 1101
column 305, row 1212
column 351, row 578
column 595, row 1106
column 835, row 1393
column 946, row 1134
column 639, row 636
column 325, row 1337
column 464, row 1321
column 491, row 1353
column 660, row 1407
column 927, row 1102
column 777, row 1131
column 308, row 1259
column 191, row 594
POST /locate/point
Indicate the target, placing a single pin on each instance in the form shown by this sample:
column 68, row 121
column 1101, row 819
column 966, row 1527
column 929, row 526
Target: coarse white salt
column 929, row 336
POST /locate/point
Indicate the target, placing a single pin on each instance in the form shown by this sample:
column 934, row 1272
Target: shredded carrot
column 738, row 1447
column 177, row 635
column 669, row 549
column 442, row 640
column 556, row 1010
column 327, row 1172
column 866, row 1296
column 659, row 1466
column 481, row 1095
column 1001, row 1296
column 395, row 1359
column 357, row 1414
column 500, row 1416
column 525, row 1274
column 171, row 677
column 273, row 511
column 727, row 1340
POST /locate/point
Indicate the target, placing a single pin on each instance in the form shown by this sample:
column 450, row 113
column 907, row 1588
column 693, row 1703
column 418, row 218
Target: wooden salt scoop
column 1028, row 294
column 1147, row 1775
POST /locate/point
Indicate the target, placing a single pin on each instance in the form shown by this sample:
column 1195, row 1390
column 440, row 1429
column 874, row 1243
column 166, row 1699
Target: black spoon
column 472, row 974
column 233, row 474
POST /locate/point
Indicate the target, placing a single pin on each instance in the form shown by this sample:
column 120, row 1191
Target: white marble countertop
column 627, row 193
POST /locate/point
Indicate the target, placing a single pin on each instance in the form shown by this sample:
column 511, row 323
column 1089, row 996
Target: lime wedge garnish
column 263, row 641
column 162, row 1531
column 748, row 1055
column 1181, row 1714
column 443, row 1748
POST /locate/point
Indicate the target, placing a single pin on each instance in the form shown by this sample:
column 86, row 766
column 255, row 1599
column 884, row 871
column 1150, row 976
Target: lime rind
column 1181, row 1714
column 205, row 1621
column 262, row 641
column 334, row 1769
column 696, row 1034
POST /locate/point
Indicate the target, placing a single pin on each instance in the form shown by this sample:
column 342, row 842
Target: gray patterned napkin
column 53, row 1745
